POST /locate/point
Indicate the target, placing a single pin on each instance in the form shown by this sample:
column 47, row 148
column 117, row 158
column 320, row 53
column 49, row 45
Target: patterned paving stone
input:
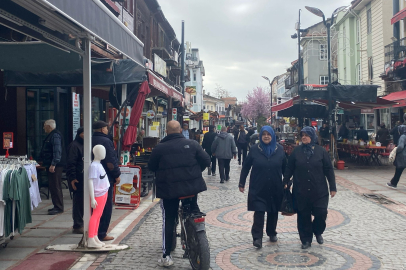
column 360, row 234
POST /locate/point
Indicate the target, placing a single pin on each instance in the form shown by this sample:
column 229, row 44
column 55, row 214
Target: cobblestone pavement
column 360, row 234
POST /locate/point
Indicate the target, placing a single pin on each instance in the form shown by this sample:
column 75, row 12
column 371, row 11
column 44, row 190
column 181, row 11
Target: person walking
column 310, row 165
column 400, row 159
column 395, row 133
column 185, row 131
column 242, row 144
column 176, row 177
column 53, row 155
column 382, row 135
column 74, row 173
column 110, row 165
column 268, row 162
column 208, row 140
column 224, row 149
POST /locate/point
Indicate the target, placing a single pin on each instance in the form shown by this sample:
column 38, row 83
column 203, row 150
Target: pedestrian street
column 360, row 234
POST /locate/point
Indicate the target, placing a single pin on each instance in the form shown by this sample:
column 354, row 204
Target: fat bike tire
column 198, row 250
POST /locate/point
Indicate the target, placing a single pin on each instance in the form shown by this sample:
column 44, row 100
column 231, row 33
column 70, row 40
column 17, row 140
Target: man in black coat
column 206, row 144
column 362, row 134
column 53, row 155
column 74, row 173
column 395, row 133
column 178, row 163
column 110, row 165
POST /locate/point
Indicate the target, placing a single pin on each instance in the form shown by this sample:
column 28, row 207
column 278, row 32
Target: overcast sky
column 241, row 40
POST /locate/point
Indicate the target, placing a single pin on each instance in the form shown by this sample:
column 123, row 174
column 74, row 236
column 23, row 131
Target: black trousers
column 55, row 187
column 242, row 149
column 106, row 216
column 77, row 208
column 169, row 215
column 224, row 168
column 257, row 229
column 307, row 227
column 396, row 177
column 213, row 163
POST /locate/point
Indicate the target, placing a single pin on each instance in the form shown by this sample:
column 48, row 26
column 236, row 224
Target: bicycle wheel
column 198, row 249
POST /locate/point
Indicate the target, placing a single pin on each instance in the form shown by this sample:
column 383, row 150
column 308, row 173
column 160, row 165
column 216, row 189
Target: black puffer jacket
column 178, row 164
column 110, row 163
column 53, row 152
column 74, row 164
column 208, row 141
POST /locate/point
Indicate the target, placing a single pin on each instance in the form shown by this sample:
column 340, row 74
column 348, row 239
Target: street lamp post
column 328, row 25
column 270, row 85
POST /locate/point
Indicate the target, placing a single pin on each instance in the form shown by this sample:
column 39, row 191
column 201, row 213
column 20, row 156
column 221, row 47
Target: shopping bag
column 287, row 208
column 392, row 155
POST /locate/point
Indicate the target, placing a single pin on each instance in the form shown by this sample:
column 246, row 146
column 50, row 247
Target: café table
column 375, row 151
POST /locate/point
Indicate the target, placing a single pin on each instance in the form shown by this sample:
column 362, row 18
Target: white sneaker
column 166, row 262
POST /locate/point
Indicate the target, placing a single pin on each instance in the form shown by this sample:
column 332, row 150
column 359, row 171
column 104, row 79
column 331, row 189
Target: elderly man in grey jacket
column 224, row 149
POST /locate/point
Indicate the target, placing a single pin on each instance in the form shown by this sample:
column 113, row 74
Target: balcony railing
column 395, row 51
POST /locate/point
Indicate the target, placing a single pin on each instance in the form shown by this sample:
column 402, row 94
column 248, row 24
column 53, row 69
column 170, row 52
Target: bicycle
column 193, row 235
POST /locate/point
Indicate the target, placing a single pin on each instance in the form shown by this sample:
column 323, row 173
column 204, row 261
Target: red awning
column 162, row 86
column 285, row 105
column 398, row 16
column 398, row 97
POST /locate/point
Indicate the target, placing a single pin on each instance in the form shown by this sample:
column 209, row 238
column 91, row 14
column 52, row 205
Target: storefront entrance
column 44, row 104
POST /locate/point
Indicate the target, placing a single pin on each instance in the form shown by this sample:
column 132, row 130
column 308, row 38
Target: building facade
column 196, row 71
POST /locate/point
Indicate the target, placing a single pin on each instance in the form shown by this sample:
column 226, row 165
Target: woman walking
column 267, row 160
column 310, row 164
column 400, row 159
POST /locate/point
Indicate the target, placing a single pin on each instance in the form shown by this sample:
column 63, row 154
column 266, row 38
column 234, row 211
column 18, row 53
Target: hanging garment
column 34, row 188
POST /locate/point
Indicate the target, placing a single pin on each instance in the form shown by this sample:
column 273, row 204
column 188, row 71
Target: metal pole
column 87, row 142
column 270, row 85
column 182, row 72
column 299, row 70
column 330, row 102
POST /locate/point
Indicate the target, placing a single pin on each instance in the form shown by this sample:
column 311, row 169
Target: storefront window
column 41, row 105
column 367, row 121
column 385, row 117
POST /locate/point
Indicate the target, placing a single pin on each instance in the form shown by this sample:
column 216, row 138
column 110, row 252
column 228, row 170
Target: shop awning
column 90, row 16
column 284, row 105
column 398, row 97
column 163, row 87
column 398, row 16
column 104, row 72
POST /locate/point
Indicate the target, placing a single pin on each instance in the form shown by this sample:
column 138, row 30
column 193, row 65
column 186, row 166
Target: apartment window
column 345, row 76
column 344, row 38
column 194, row 99
column 370, row 69
column 323, row 52
column 194, row 76
column 323, row 80
column 358, row 74
column 369, row 21
column 305, row 54
column 212, row 108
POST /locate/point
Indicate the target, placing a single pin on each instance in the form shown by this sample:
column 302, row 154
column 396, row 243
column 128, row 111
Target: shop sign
column 314, row 123
column 367, row 110
column 155, row 82
column 313, row 87
column 174, row 114
column 159, row 65
column 75, row 113
column 128, row 190
column 177, row 95
column 160, row 109
column 191, row 90
column 8, row 138
column 155, row 123
column 206, row 116
column 125, row 158
column 206, row 123
column 150, row 114
column 340, row 111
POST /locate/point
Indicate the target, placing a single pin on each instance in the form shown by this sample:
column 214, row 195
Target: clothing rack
column 13, row 162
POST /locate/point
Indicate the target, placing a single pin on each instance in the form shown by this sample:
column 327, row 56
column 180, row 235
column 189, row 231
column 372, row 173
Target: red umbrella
column 131, row 132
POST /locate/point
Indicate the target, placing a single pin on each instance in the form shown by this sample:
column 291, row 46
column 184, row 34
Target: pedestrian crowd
column 179, row 160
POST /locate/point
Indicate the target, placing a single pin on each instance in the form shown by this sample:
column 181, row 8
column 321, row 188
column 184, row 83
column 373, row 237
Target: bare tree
column 220, row 92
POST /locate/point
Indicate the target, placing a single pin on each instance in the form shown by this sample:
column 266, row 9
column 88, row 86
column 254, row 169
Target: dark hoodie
column 74, row 164
column 224, row 146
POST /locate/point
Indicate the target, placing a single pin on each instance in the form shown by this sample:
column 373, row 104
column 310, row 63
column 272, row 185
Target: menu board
column 128, row 190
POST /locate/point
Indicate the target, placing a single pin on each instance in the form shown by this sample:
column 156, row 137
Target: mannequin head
column 99, row 152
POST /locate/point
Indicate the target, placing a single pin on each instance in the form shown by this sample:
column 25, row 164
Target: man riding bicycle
column 178, row 163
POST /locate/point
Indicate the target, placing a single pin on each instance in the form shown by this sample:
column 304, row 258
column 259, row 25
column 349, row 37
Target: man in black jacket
column 53, row 155
column 74, row 173
column 362, row 134
column 178, row 163
column 206, row 144
column 395, row 133
column 110, row 165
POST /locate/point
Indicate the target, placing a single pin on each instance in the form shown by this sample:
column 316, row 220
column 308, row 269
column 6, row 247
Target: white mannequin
column 99, row 154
